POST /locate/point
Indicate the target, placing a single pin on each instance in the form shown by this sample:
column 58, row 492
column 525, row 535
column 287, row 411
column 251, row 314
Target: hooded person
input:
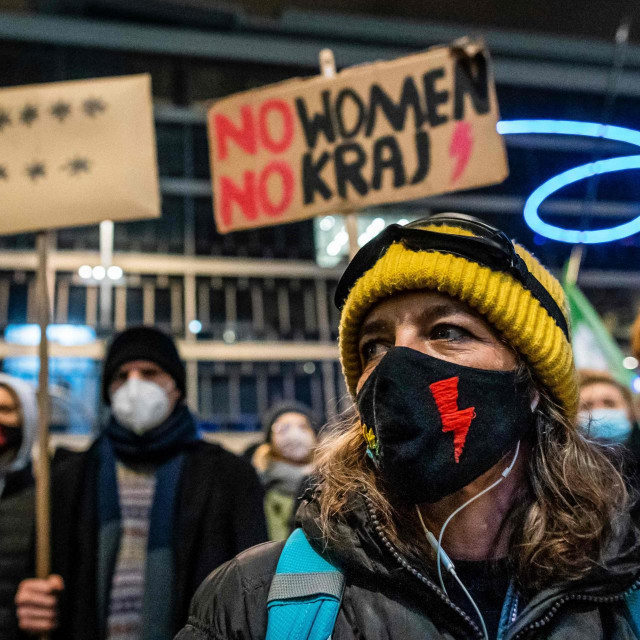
column 457, row 499
column 18, row 428
column 284, row 461
column 146, row 513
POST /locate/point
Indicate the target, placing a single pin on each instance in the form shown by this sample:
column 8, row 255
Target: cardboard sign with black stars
column 78, row 152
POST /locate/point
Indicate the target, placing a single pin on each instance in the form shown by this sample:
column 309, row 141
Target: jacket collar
column 362, row 551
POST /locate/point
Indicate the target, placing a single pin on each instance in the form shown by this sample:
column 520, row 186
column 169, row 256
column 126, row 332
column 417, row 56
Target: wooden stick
column 351, row 224
column 575, row 261
column 327, row 63
column 43, row 476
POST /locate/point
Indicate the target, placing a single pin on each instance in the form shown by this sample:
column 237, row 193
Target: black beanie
column 142, row 343
column 287, row 406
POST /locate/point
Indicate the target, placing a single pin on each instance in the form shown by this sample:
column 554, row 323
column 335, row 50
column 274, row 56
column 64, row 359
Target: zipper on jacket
column 538, row 624
column 514, row 609
column 413, row 571
column 581, row 597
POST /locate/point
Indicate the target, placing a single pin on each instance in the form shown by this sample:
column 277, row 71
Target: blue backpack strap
column 305, row 594
column 633, row 604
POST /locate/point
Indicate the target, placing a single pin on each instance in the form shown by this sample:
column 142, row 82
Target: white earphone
column 443, row 558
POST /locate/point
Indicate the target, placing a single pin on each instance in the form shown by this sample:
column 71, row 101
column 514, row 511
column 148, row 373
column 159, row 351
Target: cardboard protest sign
column 373, row 134
column 77, row 152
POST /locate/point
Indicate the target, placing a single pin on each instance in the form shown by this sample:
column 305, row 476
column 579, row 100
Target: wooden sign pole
column 351, row 224
column 43, row 474
column 328, row 70
column 575, row 260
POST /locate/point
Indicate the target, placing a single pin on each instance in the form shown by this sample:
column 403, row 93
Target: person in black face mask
column 457, row 499
column 18, row 427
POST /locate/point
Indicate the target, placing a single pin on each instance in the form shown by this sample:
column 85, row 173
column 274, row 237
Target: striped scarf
column 136, row 507
column 136, row 487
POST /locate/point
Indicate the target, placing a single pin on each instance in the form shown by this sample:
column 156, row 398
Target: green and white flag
column 593, row 345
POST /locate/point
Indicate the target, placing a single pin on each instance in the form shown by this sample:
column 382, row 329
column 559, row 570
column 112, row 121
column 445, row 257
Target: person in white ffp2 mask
column 146, row 513
column 142, row 396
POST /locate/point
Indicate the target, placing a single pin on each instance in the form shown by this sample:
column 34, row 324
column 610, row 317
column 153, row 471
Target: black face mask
column 10, row 438
column 433, row 426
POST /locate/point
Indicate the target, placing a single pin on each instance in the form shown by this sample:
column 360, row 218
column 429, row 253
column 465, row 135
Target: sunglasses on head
column 488, row 247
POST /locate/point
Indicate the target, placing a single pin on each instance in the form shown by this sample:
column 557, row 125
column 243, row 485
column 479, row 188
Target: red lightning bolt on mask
column 445, row 393
column 460, row 148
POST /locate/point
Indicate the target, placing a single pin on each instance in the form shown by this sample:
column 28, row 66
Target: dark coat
column 17, row 517
column 384, row 599
column 632, row 460
column 219, row 513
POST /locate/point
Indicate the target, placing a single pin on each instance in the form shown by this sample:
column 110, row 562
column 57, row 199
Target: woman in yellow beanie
column 457, row 499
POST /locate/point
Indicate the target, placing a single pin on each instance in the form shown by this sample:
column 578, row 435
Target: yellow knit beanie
column 497, row 295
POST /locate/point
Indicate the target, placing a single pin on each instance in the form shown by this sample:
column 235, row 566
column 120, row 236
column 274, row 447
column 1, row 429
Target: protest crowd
column 375, row 388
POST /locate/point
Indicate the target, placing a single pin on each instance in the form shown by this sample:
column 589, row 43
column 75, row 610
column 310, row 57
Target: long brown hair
column 573, row 494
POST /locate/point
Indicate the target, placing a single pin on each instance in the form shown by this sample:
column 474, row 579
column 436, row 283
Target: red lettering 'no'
column 445, row 393
column 252, row 195
column 252, row 132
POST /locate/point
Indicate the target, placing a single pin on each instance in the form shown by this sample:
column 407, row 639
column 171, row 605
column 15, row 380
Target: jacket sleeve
column 218, row 609
column 231, row 604
column 249, row 522
column 189, row 632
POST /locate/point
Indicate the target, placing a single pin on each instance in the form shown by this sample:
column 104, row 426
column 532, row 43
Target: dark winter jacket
column 17, row 522
column 632, row 459
column 17, row 510
column 218, row 514
column 386, row 598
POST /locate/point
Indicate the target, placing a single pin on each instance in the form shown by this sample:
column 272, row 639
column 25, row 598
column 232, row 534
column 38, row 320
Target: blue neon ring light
column 621, row 163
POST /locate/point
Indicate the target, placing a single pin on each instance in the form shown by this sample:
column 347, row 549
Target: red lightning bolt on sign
column 445, row 393
column 460, row 148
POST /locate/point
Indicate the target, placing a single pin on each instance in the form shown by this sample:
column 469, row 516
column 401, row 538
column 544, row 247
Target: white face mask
column 140, row 405
column 294, row 443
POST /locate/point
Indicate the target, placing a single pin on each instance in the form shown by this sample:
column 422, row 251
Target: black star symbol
column 3, row 173
column 28, row 114
column 93, row 106
column 36, row 170
column 5, row 120
column 77, row 165
column 61, row 110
